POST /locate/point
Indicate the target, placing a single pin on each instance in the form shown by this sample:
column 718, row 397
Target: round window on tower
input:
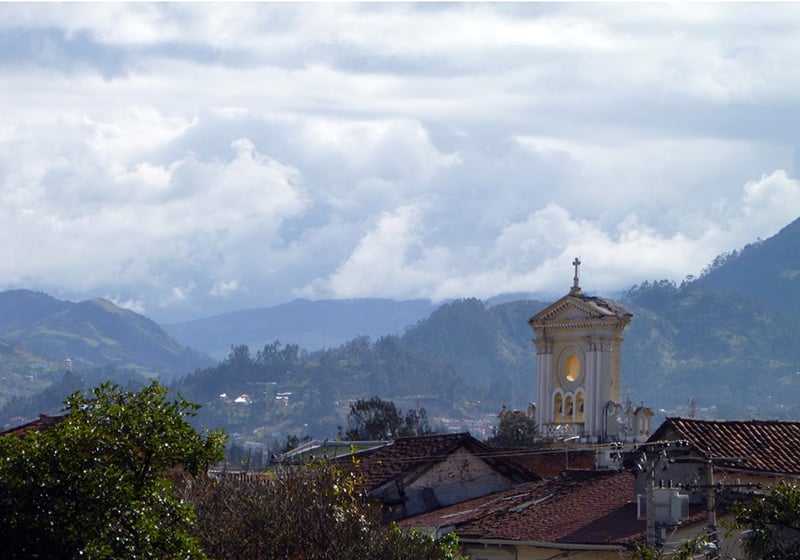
column 572, row 368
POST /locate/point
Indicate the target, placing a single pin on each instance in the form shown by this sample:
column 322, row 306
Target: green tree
column 100, row 483
column 772, row 522
column 515, row 430
column 687, row 550
column 377, row 419
column 315, row 511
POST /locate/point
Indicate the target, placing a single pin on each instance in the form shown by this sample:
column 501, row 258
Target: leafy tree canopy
column 313, row 512
column 773, row 523
column 515, row 430
column 377, row 419
column 96, row 484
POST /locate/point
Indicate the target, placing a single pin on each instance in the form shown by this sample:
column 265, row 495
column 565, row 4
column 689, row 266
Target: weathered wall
column 462, row 476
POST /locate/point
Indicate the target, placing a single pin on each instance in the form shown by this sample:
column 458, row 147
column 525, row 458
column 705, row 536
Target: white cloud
column 388, row 261
column 225, row 289
column 177, row 295
column 137, row 306
column 197, row 158
column 770, row 203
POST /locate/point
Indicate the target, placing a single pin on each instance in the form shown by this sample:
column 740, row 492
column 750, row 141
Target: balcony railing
column 557, row 430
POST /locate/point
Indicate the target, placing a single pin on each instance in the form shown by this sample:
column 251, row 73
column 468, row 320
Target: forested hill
column 728, row 338
column 39, row 333
column 466, row 360
column 767, row 271
column 736, row 357
column 728, row 351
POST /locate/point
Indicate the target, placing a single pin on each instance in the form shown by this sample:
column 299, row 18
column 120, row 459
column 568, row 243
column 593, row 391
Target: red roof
column 382, row 464
column 548, row 463
column 577, row 507
column 44, row 421
column 767, row 446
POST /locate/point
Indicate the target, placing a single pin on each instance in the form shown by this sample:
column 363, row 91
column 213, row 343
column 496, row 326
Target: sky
column 184, row 160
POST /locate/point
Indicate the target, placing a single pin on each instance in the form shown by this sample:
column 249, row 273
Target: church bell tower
column 578, row 341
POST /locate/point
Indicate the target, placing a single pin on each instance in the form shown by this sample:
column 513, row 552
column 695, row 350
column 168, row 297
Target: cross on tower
column 576, row 289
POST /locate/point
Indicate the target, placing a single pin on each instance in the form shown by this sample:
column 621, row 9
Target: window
column 572, row 368
column 558, row 408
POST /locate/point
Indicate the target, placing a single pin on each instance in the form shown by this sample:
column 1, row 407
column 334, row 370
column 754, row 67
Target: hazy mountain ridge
column 312, row 325
column 45, row 332
column 767, row 271
column 731, row 350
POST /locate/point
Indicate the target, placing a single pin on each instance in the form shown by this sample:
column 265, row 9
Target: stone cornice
column 581, row 324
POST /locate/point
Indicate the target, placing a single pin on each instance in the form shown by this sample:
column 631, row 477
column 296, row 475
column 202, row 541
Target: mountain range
column 311, row 324
column 726, row 340
column 41, row 337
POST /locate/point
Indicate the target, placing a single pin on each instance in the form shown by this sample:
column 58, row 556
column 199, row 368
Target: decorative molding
column 601, row 345
column 575, row 325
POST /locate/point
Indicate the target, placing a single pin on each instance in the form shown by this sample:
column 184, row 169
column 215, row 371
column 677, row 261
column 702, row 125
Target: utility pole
column 652, row 533
column 712, row 490
column 649, row 460
column 647, row 464
column 711, row 501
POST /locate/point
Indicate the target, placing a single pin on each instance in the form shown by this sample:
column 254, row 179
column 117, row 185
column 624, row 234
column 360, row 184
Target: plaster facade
column 578, row 362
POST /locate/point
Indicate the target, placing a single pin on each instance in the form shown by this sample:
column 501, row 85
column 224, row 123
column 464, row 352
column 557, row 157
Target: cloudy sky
column 183, row 160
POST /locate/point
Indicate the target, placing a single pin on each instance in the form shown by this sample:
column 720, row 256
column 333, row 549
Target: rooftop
column 44, row 421
column 382, row 464
column 767, row 446
column 576, row 507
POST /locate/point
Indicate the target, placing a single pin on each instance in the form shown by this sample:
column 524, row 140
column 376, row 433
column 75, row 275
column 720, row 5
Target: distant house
column 412, row 475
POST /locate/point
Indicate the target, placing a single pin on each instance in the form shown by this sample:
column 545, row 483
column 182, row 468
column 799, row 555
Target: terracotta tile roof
column 552, row 462
column 404, row 455
column 578, row 507
column 768, row 446
column 44, row 421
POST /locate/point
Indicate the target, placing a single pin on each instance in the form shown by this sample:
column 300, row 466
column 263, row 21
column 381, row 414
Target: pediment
column 565, row 309
column 579, row 308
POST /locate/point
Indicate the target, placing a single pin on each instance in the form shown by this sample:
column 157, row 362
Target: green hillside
column 41, row 337
column 724, row 350
column 767, row 271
